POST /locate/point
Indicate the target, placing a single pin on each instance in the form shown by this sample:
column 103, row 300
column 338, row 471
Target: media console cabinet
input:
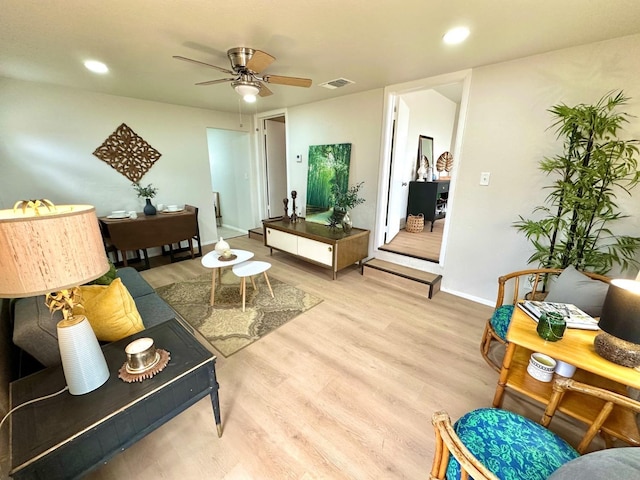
column 317, row 243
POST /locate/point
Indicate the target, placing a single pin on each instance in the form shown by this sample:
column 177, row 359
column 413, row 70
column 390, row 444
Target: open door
column 398, row 187
column 276, row 164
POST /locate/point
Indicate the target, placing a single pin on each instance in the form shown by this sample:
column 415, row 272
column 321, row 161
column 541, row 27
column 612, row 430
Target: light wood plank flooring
column 344, row 391
column 425, row 245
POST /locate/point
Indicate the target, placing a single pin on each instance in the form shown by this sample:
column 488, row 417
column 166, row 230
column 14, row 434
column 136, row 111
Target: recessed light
column 96, row 67
column 456, row 35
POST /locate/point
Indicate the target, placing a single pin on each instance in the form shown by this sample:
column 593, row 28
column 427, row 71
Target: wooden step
column 256, row 233
column 415, row 281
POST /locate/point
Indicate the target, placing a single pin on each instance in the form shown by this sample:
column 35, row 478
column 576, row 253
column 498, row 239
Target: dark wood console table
column 133, row 234
column 317, row 243
column 69, row 435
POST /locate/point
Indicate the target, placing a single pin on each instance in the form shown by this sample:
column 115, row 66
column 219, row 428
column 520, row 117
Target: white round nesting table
column 249, row 269
column 213, row 260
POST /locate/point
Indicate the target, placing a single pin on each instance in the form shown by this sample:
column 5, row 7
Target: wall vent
column 337, row 83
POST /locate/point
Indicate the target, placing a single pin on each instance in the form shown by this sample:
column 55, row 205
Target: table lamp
column 619, row 341
column 51, row 251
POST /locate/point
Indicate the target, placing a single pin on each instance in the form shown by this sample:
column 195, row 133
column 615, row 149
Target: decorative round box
column 541, row 367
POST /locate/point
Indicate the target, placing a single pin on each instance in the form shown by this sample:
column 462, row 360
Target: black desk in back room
column 429, row 199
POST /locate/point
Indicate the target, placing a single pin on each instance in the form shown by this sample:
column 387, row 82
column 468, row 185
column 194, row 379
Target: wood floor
column 425, row 245
column 344, row 391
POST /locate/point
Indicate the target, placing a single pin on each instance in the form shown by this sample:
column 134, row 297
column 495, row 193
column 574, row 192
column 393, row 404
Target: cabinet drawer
column 316, row 251
column 443, row 187
column 283, row 241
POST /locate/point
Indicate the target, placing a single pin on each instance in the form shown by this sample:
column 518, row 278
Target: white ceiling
column 374, row 43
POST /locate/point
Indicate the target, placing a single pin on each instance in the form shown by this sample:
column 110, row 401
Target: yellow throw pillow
column 110, row 310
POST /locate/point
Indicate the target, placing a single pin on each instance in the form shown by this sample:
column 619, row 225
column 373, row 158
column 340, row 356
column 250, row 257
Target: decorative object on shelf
column 285, row 201
column 343, row 200
column 565, row 369
column 221, row 246
column 445, row 163
column 425, row 155
column 328, row 165
column 581, row 208
column 294, row 215
column 54, row 251
column 347, row 224
column 128, row 153
column 423, row 170
column 147, row 193
column 541, row 367
column 551, row 326
column 619, row 341
column 415, row 223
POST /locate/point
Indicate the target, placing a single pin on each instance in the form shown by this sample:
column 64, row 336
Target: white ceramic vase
column 221, row 246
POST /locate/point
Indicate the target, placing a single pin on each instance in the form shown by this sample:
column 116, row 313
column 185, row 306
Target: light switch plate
column 484, row 178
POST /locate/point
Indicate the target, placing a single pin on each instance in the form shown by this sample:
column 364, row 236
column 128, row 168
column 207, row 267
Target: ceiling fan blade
column 291, row 81
column 264, row 91
column 197, row 62
column 213, row 82
column 259, row 61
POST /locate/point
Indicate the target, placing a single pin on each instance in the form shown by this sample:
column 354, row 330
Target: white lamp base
column 85, row 368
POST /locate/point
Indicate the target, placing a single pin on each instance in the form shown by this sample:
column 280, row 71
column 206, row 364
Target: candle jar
column 551, row 326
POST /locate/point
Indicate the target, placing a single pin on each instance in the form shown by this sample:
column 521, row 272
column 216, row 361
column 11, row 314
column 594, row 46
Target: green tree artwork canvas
column 328, row 166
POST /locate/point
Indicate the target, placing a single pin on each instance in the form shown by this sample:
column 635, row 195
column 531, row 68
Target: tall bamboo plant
column 595, row 165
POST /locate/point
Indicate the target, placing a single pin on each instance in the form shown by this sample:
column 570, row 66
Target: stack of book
column 574, row 317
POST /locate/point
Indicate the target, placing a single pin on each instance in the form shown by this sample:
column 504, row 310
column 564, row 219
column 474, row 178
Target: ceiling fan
column 247, row 65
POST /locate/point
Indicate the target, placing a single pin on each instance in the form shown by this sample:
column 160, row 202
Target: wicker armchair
column 487, row 442
column 512, row 287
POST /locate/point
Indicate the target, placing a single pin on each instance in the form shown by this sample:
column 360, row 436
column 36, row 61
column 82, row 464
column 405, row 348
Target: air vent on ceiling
column 337, row 83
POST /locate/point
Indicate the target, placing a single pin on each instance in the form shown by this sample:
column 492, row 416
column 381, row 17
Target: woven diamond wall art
column 128, row 153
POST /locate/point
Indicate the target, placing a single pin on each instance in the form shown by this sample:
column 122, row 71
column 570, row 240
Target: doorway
column 272, row 148
column 434, row 108
column 230, row 167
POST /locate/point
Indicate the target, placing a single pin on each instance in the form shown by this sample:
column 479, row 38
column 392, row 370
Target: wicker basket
column 415, row 223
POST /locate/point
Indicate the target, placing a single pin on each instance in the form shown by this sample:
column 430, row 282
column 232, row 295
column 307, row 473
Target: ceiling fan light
column 246, row 90
column 250, row 98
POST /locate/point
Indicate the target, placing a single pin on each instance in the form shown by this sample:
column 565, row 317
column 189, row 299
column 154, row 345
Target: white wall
column 355, row 119
column 506, row 134
column 49, row 134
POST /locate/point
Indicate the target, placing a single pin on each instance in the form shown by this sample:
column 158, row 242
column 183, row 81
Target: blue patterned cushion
column 500, row 320
column 511, row 446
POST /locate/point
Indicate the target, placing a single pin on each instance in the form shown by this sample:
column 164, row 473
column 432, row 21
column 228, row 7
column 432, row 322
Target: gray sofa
column 34, row 328
column 26, row 325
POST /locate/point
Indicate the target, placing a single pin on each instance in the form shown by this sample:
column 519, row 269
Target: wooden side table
column 67, row 436
column 576, row 348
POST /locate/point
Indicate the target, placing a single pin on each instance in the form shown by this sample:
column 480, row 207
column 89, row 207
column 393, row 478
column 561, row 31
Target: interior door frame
column 391, row 94
column 397, row 184
column 261, row 173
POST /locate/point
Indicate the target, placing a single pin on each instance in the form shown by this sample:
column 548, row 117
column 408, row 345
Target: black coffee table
column 69, row 435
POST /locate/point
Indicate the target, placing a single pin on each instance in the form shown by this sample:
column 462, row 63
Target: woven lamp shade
column 55, row 250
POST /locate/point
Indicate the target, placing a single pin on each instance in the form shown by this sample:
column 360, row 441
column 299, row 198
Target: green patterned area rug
column 225, row 325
